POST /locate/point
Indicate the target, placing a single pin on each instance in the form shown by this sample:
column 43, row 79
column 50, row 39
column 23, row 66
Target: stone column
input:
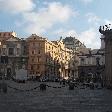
column 108, row 60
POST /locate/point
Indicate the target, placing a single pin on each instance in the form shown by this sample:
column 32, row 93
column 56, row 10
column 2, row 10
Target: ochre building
column 48, row 59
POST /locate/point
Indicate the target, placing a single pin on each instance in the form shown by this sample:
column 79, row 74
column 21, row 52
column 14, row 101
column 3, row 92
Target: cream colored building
column 91, row 59
column 64, row 56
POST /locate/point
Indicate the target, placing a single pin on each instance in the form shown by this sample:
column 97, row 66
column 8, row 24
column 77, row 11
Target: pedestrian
column 0, row 87
column 4, row 87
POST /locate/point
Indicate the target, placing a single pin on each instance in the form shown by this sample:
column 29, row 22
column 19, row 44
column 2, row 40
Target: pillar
column 107, row 77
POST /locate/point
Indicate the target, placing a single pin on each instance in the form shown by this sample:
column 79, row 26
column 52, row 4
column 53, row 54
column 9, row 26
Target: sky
column 55, row 18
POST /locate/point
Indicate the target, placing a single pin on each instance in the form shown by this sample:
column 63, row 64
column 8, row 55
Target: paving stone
column 55, row 99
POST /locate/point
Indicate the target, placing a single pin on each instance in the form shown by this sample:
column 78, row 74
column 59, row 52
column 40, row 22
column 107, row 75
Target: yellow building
column 47, row 59
column 64, row 56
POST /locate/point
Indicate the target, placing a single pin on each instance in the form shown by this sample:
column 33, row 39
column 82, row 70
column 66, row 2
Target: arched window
column 82, row 61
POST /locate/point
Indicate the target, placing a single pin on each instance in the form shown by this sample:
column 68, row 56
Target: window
column 38, row 51
column 24, row 50
column 82, row 61
column 4, row 51
column 30, row 72
column 38, row 59
column 11, row 51
column 33, row 44
column 65, row 57
column 31, row 67
column 18, row 51
column 32, row 59
column 46, row 59
column 39, row 44
column 33, row 52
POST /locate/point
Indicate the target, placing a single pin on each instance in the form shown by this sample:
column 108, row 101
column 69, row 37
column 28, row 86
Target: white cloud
column 92, row 18
column 108, row 21
column 16, row 6
column 89, row 37
column 37, row 20
column 45, row 18
column 63, row 33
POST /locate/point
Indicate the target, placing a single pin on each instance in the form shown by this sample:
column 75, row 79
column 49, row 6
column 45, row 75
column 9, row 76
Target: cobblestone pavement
column 55, row 99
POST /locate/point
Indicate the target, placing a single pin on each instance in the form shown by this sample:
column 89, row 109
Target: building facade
column 48, row 59
column 15, row 49
column 92, row 63
column 73, row 43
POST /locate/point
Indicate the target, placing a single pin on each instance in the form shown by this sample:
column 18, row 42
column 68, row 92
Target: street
column 54, row 99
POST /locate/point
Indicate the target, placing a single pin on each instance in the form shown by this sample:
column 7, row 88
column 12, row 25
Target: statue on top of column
column 105, row 29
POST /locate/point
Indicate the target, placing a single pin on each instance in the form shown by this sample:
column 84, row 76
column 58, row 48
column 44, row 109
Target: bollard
column 23, row 81
column 4, row 87
column 42, row 87
column 96, row 86
column 63, row 82
column 60, row 82
column 0, row 87
column 92, row 86
column 71, row 86
column 102, row 85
